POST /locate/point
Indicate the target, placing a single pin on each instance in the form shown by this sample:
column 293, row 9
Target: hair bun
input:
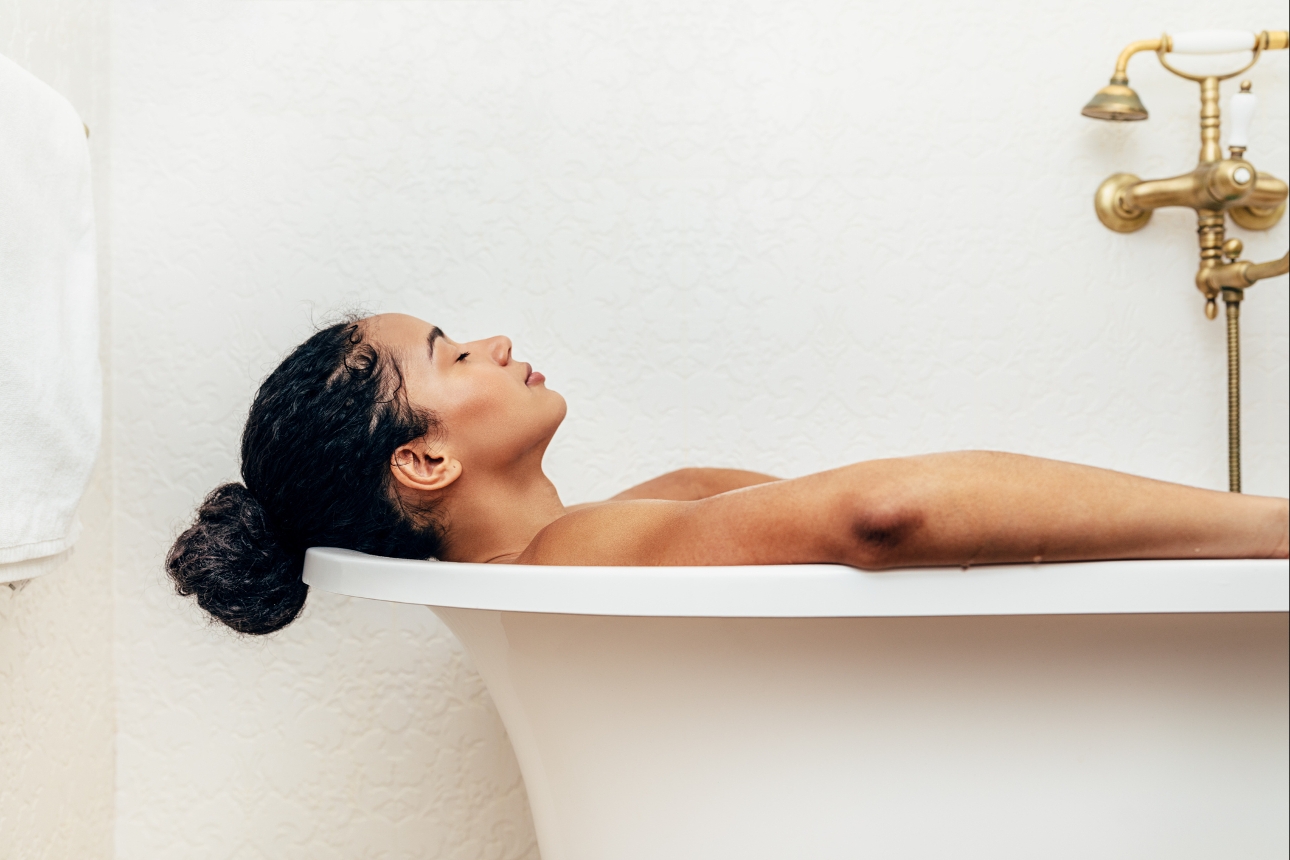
column 237, row 568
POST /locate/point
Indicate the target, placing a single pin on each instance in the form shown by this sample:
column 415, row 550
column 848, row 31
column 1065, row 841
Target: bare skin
column 483, row 467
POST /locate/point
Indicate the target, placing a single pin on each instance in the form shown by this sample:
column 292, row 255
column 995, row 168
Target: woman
column 385, row 436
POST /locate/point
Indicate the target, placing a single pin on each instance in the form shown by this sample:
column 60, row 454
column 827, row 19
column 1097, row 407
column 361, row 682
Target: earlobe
column 417, row 468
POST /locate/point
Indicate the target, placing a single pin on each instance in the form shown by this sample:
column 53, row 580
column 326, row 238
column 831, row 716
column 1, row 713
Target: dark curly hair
column 316, row 469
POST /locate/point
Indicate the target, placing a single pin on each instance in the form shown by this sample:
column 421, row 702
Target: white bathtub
column 1103, row 710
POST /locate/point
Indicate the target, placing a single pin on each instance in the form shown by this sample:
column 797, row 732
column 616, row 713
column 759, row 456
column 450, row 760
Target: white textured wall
column 56, row 697
column 783, row 236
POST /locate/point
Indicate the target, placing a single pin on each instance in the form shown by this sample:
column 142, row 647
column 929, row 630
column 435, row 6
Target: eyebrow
column 435, row 334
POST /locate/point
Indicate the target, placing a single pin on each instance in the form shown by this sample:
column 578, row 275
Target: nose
column 500, row 349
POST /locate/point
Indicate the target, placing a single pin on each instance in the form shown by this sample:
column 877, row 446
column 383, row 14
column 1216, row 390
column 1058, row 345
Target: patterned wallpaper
column 782, row 236
column 56, row 695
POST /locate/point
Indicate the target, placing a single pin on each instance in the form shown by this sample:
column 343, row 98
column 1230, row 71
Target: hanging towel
column 50, row 381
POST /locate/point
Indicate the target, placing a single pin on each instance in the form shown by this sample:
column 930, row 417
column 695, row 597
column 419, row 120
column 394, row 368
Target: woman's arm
column 965, row 508
column 685, row 485
column 688, row 485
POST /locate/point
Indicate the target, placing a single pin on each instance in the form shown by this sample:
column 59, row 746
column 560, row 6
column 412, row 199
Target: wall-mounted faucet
column 1217, row 185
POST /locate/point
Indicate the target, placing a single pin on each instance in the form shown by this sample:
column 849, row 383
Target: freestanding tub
column 1100, row 710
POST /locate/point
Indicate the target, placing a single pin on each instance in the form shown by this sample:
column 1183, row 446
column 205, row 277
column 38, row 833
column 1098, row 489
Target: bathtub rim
column 815, row 590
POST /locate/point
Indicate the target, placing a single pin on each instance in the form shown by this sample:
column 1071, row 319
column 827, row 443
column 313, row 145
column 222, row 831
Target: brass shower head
column 1116, row 101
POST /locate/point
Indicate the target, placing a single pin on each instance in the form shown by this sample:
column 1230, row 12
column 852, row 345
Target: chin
column 562, row 407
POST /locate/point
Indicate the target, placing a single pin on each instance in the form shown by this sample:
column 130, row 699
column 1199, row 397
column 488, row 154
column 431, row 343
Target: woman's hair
column 316, row 470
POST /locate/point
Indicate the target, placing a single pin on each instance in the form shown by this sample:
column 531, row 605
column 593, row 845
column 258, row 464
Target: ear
column 416, row 467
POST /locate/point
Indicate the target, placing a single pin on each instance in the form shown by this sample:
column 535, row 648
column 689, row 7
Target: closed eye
column 462, row 357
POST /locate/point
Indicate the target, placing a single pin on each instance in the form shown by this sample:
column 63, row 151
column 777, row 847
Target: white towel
column 50, row 381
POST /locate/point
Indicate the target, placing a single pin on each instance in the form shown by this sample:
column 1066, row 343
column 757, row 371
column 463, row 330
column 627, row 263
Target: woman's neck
column 494, row 519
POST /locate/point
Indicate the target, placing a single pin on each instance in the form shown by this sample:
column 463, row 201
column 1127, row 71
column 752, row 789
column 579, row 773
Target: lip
column 533, row 377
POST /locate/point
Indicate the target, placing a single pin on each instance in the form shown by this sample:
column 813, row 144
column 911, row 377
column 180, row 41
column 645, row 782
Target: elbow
column 882, row 535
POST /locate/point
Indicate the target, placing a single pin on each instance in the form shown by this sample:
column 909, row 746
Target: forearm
column 978, row 507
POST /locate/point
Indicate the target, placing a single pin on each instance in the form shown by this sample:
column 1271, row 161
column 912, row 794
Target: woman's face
column 493, row 410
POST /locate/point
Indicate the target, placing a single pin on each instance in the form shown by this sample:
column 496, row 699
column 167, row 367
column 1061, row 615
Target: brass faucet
column 1217, row 185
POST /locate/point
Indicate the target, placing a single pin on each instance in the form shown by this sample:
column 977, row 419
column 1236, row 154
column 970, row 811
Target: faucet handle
column 1232, row 249
column 1242, row 108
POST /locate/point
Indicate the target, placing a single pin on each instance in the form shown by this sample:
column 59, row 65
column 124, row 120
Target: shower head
column 1116, row 101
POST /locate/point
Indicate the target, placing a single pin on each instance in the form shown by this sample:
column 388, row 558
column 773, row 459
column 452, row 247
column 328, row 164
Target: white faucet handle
column 1242, row 112
column 1212, row 42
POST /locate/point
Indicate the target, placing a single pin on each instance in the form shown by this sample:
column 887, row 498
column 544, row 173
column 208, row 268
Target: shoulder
column 609, row 533
column 780, row 522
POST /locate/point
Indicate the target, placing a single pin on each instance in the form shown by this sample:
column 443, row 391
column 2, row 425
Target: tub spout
column 1270, row 269
column 1237, row 274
